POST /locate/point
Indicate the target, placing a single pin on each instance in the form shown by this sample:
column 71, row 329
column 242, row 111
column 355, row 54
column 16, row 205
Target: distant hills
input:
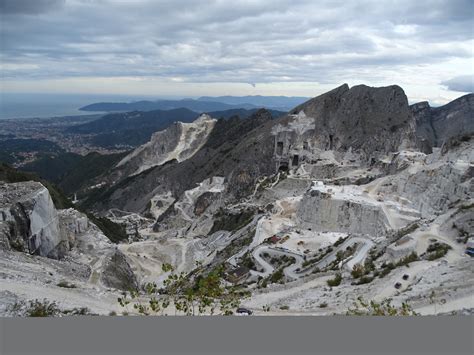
column 190, row 104
column 202, row 104
column 130, row 129
column 282, row 103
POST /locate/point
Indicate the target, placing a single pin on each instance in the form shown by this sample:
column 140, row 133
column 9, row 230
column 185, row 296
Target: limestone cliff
column 33, row 224
column 179, row 141
column 439, row 124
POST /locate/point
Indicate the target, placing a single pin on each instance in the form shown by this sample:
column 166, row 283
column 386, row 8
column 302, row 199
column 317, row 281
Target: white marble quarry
column 29, row 207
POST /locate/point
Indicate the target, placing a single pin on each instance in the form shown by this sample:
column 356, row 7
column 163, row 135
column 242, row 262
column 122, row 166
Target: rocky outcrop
column 432, row 190
column 179, row 141
column 365, row 121
column 118, row 274
column 30, row 220
column 321, row 211
column 401, row 248
column 438, row 124
column 233, row 146
column 71, row 224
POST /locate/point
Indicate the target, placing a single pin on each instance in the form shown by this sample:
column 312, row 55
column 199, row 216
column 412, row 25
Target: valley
column 352, row 194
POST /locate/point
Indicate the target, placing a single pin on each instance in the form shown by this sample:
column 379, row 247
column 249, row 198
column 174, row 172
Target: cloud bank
column 257, row 42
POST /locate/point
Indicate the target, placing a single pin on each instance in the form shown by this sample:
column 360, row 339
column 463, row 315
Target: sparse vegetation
column 206, row 294
column 114, row 231
column 357, row 271
column 407, row 260
column 340, row 241
column 437, row 250
column 277, row 276
column 407, row 230
column 384, row 308
column 336, row 281
column 231, row 222
column 365, row 280
column 42, row 308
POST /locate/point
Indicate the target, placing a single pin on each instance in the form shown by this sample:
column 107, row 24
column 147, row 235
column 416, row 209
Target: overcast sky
column 277, row 47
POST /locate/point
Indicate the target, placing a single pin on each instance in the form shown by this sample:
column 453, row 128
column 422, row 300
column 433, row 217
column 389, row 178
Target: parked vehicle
column 243, row 312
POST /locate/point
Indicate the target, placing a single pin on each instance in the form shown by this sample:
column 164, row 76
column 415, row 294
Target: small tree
column 336, row 281
column 207, row 294
column 357, row 271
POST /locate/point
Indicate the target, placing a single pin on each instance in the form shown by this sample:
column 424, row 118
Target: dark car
column 243, row 311
column 398, row 285
column 406, row 276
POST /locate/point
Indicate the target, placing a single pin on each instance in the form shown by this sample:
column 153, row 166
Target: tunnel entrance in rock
column 331, row 138
column 279, row 150
column 296, row 160
column 283, row 166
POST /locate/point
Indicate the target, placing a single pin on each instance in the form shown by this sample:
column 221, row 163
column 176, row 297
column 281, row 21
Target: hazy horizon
column 45, row 105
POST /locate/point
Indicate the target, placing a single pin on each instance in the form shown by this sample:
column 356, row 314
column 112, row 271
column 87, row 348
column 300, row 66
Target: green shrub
column 437, row 250
column 384, row 308
column 407, row 260
column 358, row 271
column 277, row 276
column 43, row 308
column 386, row 269
column 365, row 280
column 336, row 281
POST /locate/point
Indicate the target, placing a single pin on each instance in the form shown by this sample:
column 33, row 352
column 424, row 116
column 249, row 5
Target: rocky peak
column 438, row 124
column 366, row 120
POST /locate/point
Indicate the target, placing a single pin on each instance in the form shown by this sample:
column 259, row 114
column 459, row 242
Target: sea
column 18, row 106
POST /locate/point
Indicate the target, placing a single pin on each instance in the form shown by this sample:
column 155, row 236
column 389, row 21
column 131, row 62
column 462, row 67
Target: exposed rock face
column 323, row 212
column 71, row 224
column 203, row 202
column 424, row 125
column 433, row 189
column 367, row 122
column 118, row 274
column 233, row 146
column 180, row 141
column 401, row 248
column 438, row 124
column 33, row 224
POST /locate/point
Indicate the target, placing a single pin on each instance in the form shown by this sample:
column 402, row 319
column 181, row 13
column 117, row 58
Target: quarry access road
column 288, row 271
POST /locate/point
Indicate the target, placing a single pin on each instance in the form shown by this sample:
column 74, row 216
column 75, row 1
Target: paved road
column 290, row 271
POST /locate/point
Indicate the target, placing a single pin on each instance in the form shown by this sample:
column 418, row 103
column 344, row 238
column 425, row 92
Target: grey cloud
column 28, row 6
column 238, row 41
column 460, row 83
